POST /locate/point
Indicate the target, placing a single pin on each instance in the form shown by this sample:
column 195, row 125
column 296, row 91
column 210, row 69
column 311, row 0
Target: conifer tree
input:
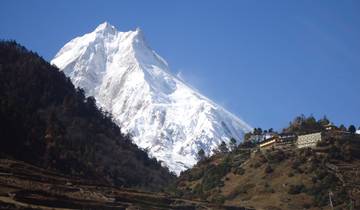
column 223, row 147
column 201, row 155
column 352, row 129
column 232, row 144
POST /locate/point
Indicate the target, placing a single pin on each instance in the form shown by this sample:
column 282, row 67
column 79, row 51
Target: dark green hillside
column 45, row 121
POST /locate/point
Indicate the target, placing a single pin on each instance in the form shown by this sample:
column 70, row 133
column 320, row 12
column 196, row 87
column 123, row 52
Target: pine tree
column 223, row 147
column 201, row 155
column 352, row 129
column 232, row 144
column 342, row 127
column 324, row 121
column 247, row 137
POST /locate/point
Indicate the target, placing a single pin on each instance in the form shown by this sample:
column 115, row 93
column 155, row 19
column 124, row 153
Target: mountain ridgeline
column 45, row 121
column 161, row 112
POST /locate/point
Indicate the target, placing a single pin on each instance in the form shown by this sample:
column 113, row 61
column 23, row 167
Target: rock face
column 162, row 114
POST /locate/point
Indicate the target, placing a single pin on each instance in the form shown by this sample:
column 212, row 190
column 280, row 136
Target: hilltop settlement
column 311, row 164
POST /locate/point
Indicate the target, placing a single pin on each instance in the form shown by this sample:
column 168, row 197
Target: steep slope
column 45, row 121
column 133, row 83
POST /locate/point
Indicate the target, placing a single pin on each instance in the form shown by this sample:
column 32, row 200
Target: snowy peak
column 105, row 27
column 104, row 36
column 163, row 114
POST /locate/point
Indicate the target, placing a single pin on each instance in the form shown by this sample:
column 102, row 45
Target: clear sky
column 266, row 61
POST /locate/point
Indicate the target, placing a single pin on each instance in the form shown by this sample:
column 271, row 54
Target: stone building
column 308, row 140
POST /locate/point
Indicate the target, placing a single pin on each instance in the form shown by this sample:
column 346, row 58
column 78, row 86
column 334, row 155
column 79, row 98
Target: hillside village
column 303, row 132
column 312, row 164
column 292, row 140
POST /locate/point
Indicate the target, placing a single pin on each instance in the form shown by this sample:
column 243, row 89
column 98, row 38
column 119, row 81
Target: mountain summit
column 131, row 81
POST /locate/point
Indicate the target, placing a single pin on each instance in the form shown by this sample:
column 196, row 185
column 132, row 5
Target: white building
column 308, row 140
column 268, row 144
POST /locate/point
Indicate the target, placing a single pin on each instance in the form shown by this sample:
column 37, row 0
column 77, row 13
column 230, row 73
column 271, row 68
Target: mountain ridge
column 132, row 82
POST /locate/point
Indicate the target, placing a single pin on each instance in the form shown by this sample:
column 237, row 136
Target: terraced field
column 24, row 186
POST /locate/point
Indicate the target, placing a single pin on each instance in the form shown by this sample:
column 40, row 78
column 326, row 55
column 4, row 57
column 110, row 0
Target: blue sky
column 266, row 61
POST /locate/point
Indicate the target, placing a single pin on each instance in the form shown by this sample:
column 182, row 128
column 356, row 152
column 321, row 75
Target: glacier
column 162, row 114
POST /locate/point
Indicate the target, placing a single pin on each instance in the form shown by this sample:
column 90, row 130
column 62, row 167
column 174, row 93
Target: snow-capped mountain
column 162, row 113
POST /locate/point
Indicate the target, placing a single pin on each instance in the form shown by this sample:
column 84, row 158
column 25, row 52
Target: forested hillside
column 45, row 121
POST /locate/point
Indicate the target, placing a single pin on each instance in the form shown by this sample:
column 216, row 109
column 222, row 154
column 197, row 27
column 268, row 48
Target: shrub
column 340, row 197
column 218, row 199
column 307, row 205
column 276, row 156
column 173, row 190
column 268, row 169
column 321, row 143
column 240, row 189
column 296, row 164
column 268, row 188
column 213, row 175
column 296, row 189
column 321, row 199
column 195, row 174
column 197, row 190
column 257, row 165
column 239, row 171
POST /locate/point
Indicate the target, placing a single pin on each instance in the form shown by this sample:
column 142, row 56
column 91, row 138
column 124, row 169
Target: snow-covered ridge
column 163, row 114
